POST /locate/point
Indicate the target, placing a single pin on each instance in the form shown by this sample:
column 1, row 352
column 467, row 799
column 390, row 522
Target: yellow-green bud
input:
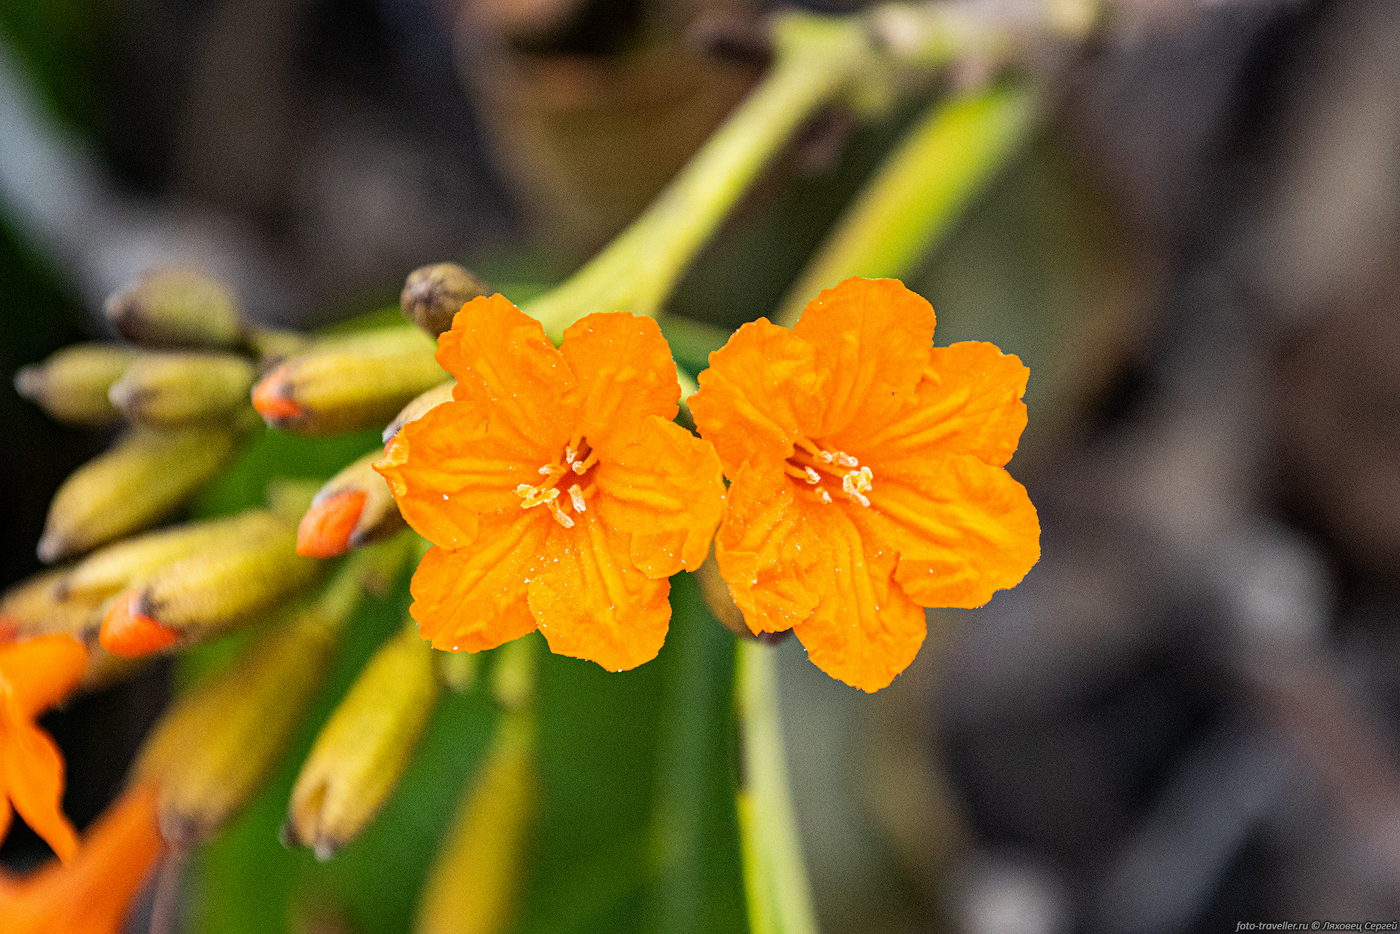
column 138, row 481
column 72, row 385
column 472, row 887
column 433, row 294
column 219, row 744
column 348, row 383
column 118, row 566
column 419, row 407
column 214, row 588
column 36, row 606
column 364, row 748
column 354, row 508
column 176, row 308
column 171, row 390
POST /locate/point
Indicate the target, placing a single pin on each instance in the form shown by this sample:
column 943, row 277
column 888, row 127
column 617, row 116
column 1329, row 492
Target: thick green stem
column 817, row 60
column 939, row 168
column 775, row 879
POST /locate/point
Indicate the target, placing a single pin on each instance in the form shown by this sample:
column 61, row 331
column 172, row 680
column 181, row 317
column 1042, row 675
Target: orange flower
column 559, row 493
column 35, row 675
column 867, row 476
column 92, row 894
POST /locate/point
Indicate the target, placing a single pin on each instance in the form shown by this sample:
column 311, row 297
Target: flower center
column 822, row 470
column 563, row 484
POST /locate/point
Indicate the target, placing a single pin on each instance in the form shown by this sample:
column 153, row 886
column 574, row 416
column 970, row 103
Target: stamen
column 857, row 483
column 576, row 495
column 581, row 467
column 532, row 496
column 798, row 473
column 560, row 516
column 824, row 496
column 544, row 471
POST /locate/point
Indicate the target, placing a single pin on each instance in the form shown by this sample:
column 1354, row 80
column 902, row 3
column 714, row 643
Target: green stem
column 817, row 59
column 954, row 149
column 775, row 880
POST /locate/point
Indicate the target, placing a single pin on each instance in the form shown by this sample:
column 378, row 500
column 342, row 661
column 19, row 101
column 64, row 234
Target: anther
column 576, row 496
column 813, row 476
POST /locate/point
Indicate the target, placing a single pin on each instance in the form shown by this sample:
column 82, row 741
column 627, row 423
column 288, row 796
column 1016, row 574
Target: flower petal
column 864, row 630
column 33, row 779
column 42, row 671
column 455, row 464
column 968, row 402
column 592, row 602
column 502, row 359
column 963, row 528
column 474, row 599
column 664, row 489
column 769, row 549
column 94, row 893
column 624, row 372
column 762, row 388
column 872, row 338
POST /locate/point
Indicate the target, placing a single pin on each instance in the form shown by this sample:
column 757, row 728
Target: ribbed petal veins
column 963, row 528
column 592, row 602
column 623, row 371
column 474, row 599
column 968, row 402
column 761, row 389
column 867, row 478
column 664, row 490
column 864, row 630
column 872, row 338
column 560, row 493
column 457, row 463
column 770, row 552
column 502, row 360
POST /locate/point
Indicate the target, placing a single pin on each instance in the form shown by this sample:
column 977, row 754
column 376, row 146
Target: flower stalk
column 945, row 161
column 775, row 880
column 817, row 59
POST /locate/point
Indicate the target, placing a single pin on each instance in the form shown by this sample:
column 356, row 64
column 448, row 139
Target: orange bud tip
column 129, row 631
column 326, row 528
column 272, row 397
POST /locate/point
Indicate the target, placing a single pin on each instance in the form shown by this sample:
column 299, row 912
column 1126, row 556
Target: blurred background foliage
column 1184, row 717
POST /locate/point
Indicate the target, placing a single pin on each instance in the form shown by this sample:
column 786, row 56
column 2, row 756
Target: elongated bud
column 222, row 740
column 349, row 383
column 36, row 607
column 362, row 751
column 419, row 407
column 170, row 390
column 715, row 593
column 209, row 591
column 176, row 308
column 72, row 385
column 273, row 345
column 433, row 294
column 118, row 566
column 353, row 508
column 136, row 482
column 459, row 671
column 472, row 887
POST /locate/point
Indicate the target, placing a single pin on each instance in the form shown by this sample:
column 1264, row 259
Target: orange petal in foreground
column 556, row 489
column 93, row 892
column 35, row 675
column 867, row 476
